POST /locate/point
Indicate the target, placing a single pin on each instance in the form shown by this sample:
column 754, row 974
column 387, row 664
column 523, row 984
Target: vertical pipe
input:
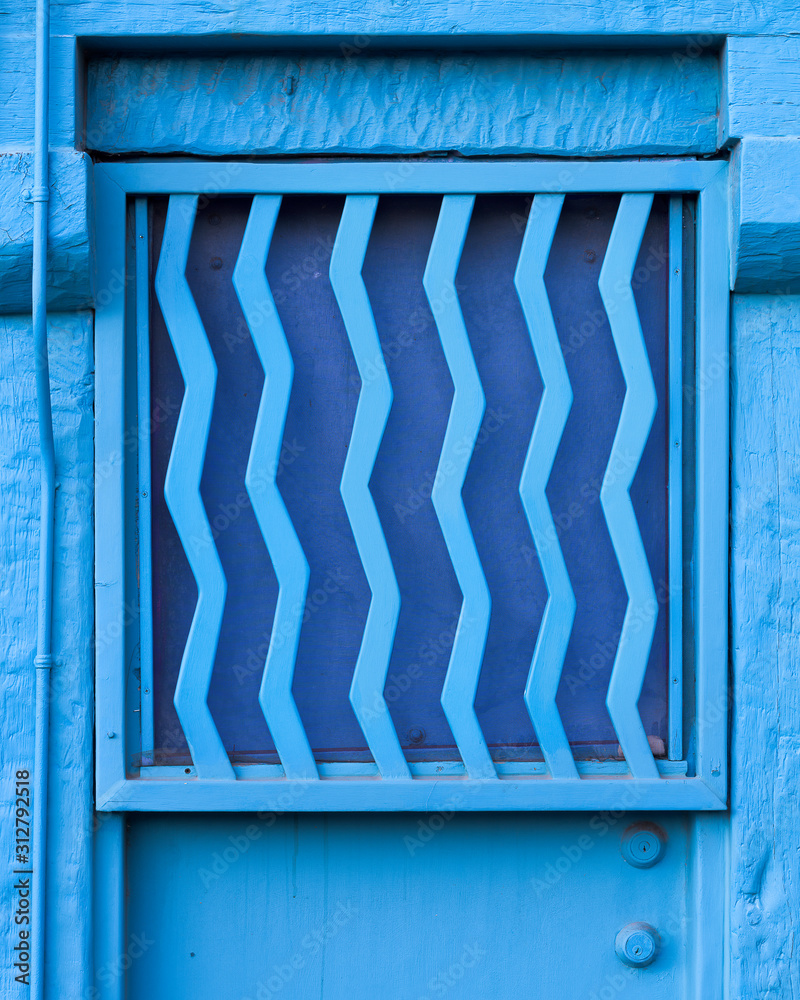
column 43, row 661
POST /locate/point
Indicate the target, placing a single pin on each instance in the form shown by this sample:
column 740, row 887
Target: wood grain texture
column 356, row 101
column 66, row 92
column 765, row 580
column 69, row 260
column 68, row 879
column 761, row 82
column 338, row 18
column 765, row 214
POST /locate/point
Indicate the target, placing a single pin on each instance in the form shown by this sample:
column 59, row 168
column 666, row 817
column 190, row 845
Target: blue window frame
column 138, row 558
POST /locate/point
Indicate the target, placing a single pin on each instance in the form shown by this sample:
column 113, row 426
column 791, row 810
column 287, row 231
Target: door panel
column 335, row 906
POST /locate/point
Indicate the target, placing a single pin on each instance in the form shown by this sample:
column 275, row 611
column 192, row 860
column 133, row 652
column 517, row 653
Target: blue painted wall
column 752, row 53
column 71, row 354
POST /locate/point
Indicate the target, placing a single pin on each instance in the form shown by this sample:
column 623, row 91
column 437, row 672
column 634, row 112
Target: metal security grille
column 130, row 774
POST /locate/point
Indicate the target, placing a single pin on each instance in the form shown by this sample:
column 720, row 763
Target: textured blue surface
column 765, row 220
column 70, row 278
column 765, row 585
column 759, row 94
column 68, row 920
column 242, row 22
column 344, row 101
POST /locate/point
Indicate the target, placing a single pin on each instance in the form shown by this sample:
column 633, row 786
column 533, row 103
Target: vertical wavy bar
column 636, row 419
column 372, row 412
column 559, row 612
column 182, row 490
column 463, row 425
column 288, row 559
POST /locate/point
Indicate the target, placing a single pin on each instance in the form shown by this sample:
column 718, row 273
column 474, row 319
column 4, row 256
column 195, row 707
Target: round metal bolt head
column 643, row 845
column 637, row 945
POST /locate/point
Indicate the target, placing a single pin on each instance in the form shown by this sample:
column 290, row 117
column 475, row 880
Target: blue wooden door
column 417, row 906
column 413, row 530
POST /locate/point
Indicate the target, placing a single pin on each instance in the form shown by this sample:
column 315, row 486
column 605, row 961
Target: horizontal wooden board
column 705, row 20
column 355, row 100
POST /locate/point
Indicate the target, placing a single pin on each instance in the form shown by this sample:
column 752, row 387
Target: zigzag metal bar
column 636, row 419
column 288, row 559
column 372, row 412
column 182, row 490
column 559, row 613
column 463, row 425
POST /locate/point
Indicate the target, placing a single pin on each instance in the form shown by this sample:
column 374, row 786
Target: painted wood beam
column 765, row 579
column 765, row 215
column 427, row 18
column 69, row 259
column 355, row 100
column 760, row 87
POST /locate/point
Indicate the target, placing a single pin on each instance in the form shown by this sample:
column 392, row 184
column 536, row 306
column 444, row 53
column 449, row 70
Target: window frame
column 707, row 788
